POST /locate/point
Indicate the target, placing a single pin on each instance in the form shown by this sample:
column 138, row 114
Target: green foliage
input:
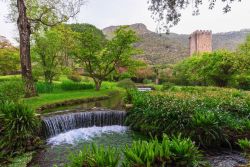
column 125, row 75
column 126, row 83
column 20, row 128
column 100, row 57
column 214, row 68
column 11, row 90
column 43, row 87
column 9, row 59
column 241, row 81
column 244, row 144
column 51, row 52
column 10, row 78
column 171, row 152
column 210, row 116
column 177, row 151
column 147, row 81
column 167, row 86
column 219, row 68
column 95, row 156
column 75, row 77
column 22, row 160
column 69, row 85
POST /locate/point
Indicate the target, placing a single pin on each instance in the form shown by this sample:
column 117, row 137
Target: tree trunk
column 98, row 84
column 24, row 34
column 157, row 81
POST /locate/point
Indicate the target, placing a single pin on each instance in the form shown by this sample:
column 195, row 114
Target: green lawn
column 49, row 98
column 9, row 77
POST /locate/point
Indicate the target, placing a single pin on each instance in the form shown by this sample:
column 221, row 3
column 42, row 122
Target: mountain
column 5, row 43
column 229, row 40
column 171, row 48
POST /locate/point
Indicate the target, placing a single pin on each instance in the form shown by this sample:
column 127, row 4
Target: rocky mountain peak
column 139, row 28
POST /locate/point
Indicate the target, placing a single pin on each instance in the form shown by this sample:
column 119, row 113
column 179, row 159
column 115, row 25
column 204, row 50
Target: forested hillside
column 171, row 48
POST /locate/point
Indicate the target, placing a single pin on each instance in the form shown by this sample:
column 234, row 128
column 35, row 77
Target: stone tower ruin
column 200, row 41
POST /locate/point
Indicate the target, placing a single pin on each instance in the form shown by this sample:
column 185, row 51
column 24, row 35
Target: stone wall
column 200, row 41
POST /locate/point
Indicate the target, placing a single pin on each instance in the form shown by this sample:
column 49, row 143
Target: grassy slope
column 49, row 98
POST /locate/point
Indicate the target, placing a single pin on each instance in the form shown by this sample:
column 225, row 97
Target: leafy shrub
column 42, row 87
column 126, row 83
column 69, row 85
column 125, row 75
column 85, row 79
column 95, row 156
column 210, row 117
column 75, row 77
column 11, row 90
column 147, row 81
column 108, row 85
column 241, row 81
column 175, row 152
column 244, row 144
column 215, row 69
column 167, row 86
column 20, row 128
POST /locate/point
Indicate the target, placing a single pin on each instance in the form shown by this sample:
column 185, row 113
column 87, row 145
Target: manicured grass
column 50, row 98
column 9, row 77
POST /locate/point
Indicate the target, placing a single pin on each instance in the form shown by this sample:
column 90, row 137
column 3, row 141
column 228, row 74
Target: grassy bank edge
column 60, row 97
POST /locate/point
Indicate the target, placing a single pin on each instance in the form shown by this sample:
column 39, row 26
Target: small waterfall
column 62, row 123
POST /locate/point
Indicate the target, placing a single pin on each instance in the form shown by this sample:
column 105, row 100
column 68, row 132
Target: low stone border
column 145, row 86
column 70, row 103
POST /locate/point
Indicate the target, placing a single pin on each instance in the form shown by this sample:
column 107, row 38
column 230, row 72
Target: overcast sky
column 103, row 13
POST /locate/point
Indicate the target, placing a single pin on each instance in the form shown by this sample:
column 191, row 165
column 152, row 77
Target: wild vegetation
column 220, row 68
column 53, row 62
column 19, row 126
column 101, row 57
column 210, row 116
column 176, row 151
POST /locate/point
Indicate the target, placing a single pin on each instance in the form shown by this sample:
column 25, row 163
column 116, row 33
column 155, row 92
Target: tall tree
column 50, row 49
column 168, row 12
column 100, row 57
column 31, row 15
column 9, row 58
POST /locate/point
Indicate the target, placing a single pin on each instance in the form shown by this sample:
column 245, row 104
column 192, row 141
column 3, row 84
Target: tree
column 50, row 50
column 216, row 68
column 156, row 69
column 9, row 58
column 100, row 57
column 168, row 12
column 31, row 15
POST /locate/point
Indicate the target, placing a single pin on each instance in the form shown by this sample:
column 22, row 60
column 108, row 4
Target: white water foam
column 73, row 136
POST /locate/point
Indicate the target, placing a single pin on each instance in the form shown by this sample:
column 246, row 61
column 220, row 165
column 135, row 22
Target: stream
column 68, row 130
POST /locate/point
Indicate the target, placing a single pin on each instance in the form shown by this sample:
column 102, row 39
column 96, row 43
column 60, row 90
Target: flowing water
column 57, row 124
column 69, row 130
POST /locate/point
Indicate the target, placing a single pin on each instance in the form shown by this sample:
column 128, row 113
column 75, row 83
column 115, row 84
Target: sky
column 104, row 13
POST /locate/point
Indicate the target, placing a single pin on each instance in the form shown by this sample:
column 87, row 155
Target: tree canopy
column 9, row 59
column 168, row 12
column 219, row 68
column 101, row 57
column 35, row 15
column 51, row 51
